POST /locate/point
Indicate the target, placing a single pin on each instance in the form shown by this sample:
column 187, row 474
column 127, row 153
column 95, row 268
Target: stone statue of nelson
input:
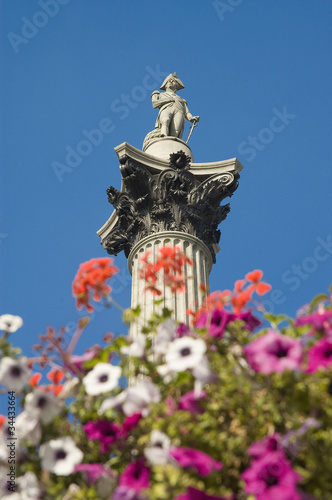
column 173, row 110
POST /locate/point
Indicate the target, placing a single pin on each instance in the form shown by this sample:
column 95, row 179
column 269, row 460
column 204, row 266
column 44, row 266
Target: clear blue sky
column 258, row 72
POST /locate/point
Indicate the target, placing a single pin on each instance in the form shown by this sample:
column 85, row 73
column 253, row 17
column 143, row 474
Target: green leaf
column 322, row 297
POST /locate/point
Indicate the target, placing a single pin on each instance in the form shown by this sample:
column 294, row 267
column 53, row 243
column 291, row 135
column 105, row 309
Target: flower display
column 235, row 403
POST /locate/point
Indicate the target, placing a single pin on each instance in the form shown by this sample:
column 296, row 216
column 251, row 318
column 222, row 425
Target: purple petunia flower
column 274, row 352
column 271, row 477
column 183, row 330
column 320, row 355
column 189, row 457
column 135, row 476
column 104, row 431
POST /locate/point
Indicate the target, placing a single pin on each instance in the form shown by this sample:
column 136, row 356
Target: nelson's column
column 167, row 199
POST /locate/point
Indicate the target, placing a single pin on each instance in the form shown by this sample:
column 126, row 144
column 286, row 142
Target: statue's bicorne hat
column 175, row 77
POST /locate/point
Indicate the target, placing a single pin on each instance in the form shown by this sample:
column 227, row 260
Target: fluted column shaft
column 195, row 275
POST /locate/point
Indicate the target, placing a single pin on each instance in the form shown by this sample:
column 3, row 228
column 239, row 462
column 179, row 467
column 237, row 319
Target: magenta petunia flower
column 189, row 402
column 218, row 319
column 93, row 471
column 104, row 431
column 274, row 352
column 260, row 448
column 194, row 494
column 131, row 422
column 320, row 320
column 320, row 355
column 189, row 457
column 271, row 477
column 135, row 476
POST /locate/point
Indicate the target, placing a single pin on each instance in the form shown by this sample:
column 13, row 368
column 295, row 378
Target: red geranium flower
column 91, row 280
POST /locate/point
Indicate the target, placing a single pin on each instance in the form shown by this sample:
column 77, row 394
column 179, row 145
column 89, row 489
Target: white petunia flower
column 60, row 456
column 10, row 323
column 42, row 405
column 184, row 353
column 14, row 373
column 28, row 428
column 110, row 403
column 166, row 333
column 139, row 397
column 166, row 372
column 102, row 378
column 157, row 451
column 28, row 486
column 136, row 348
column 203, row 375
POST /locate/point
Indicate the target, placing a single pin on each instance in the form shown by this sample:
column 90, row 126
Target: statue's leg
column 177, row 124
column 165, row 120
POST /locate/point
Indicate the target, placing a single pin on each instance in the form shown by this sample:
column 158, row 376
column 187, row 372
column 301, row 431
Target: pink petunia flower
column 274, row 352
column 104, row 431
column 189, row 402
column 93, row 471
column 189, row 457
column 320, row 320
column 135, row 476
column 271, row 477
column 269, row 443
column 320, row 355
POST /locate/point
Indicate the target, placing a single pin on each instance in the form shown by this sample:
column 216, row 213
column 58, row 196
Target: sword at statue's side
column 191, row 130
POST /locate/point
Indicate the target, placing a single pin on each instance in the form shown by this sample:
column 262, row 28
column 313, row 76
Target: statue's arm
column 188, row 115
column 159, row 99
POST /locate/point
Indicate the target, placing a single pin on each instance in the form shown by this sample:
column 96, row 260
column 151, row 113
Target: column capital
column 175, row 195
